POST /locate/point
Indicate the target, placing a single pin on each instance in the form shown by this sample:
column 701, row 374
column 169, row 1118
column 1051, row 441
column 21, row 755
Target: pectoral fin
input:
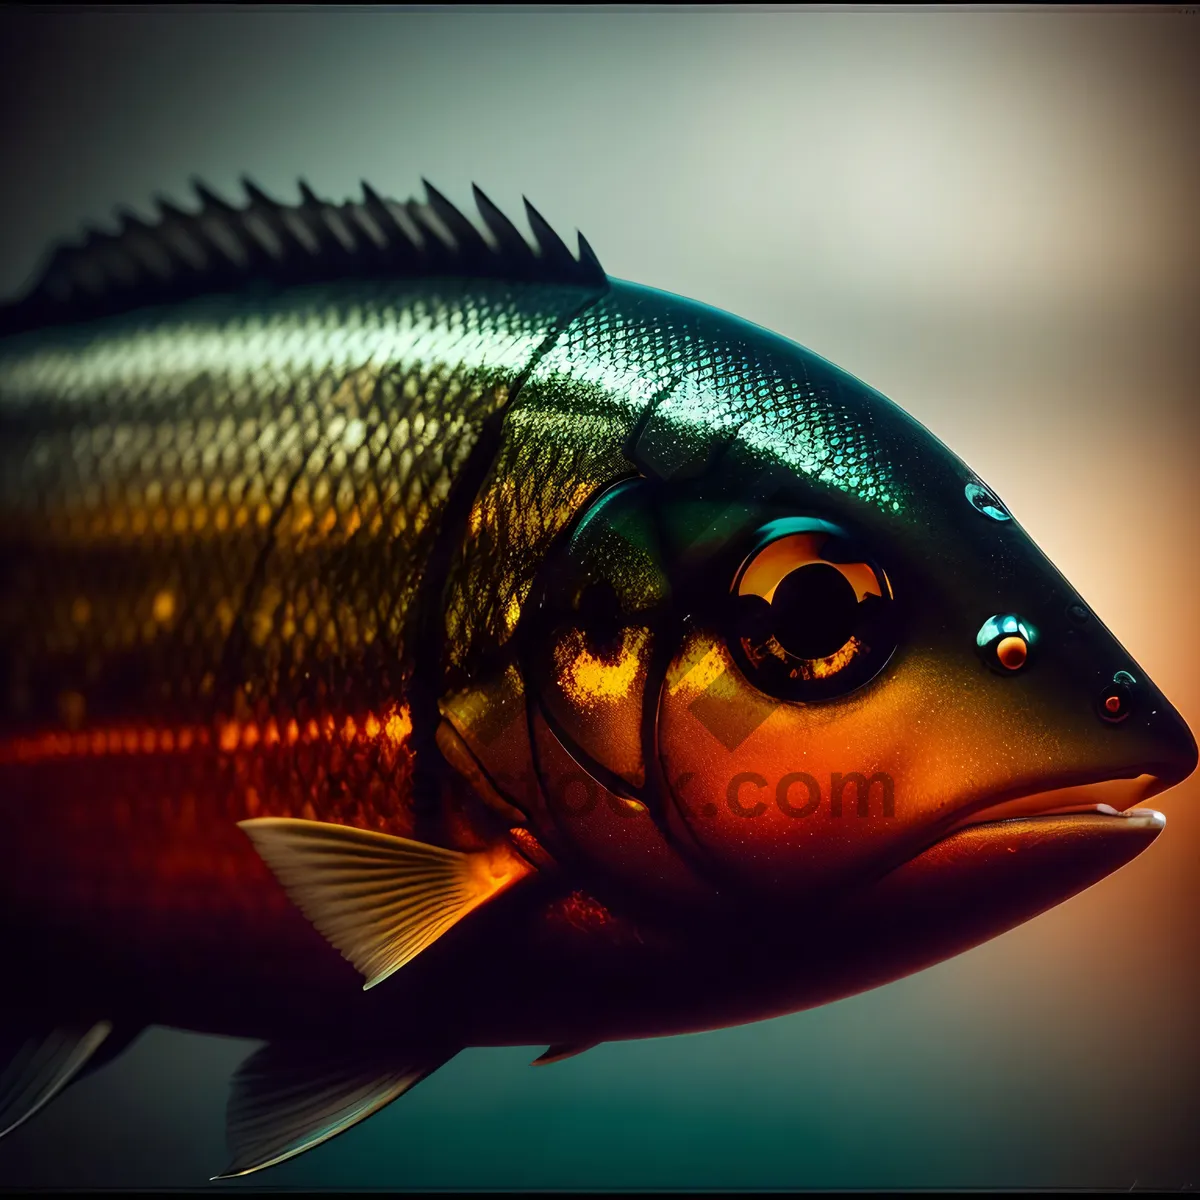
column 561, row 1050
column 37, row 1066
column 288, row 1098
column 379, row 899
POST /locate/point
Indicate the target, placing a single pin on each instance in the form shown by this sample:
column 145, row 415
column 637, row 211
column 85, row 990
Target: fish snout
column 1147, row 737
column 1119, row 709
column 1169, row 747
column 1139, row 722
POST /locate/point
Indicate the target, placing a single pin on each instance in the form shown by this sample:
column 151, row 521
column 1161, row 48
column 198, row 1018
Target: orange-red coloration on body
column 231, row 736
column 144, row 822
column 581, row 913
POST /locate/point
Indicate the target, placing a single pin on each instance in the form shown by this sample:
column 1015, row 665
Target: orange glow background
column 991, row 217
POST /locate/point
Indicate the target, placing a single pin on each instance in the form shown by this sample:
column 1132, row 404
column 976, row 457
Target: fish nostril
column 1116, row 701
column 1077, row 614
column 1005, row 642
column 1167, row 746
column 1011, row 652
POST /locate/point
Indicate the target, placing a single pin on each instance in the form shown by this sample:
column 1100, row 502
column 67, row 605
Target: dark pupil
column 814, row 611
column 599, row 614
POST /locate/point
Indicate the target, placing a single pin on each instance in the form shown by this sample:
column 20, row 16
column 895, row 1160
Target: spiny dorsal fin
column 286, row 1098
column 221, row 247
column 379, row 899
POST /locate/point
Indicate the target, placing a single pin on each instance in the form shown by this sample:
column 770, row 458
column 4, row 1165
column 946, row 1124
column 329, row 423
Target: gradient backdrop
column 990, row 216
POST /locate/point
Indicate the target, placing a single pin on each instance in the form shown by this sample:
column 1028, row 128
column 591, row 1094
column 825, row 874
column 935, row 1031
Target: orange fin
column 379, row 899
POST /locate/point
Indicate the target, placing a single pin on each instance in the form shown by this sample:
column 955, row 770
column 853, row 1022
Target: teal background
column 989, row 216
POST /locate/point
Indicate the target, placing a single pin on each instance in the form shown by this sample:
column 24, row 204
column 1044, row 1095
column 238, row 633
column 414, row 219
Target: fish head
column 809, row 644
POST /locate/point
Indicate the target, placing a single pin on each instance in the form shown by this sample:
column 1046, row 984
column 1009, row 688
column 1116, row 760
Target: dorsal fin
column 221, row 247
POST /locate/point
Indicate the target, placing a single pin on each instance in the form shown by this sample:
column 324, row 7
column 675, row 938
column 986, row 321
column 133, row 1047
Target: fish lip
column 1108, row 796
column 1060, row 805
column 1140, row 818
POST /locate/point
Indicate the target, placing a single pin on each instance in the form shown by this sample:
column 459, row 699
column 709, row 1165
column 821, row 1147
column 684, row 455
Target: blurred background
column 991, row 217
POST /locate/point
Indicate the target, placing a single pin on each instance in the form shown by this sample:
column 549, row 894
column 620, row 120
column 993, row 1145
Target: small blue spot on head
column 1004, row 625
column 984, row 500
column 1005, row 642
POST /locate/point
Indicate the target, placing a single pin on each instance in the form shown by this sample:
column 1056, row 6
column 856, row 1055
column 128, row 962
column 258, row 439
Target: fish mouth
column 996, row 863
column 1114, row 799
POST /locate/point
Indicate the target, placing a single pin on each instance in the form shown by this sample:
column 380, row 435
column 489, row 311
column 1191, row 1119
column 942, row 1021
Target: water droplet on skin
column 985, row 501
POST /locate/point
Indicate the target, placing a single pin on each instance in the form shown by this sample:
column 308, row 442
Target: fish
column 413, row 638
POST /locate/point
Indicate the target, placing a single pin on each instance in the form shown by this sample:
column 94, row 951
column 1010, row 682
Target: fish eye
column 811, row 617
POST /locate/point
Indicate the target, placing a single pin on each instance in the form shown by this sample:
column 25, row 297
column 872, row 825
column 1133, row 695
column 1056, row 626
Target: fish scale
column 319, row 492
column 208, row 578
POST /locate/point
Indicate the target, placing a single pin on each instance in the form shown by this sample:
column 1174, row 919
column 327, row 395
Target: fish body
column 580, row 661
